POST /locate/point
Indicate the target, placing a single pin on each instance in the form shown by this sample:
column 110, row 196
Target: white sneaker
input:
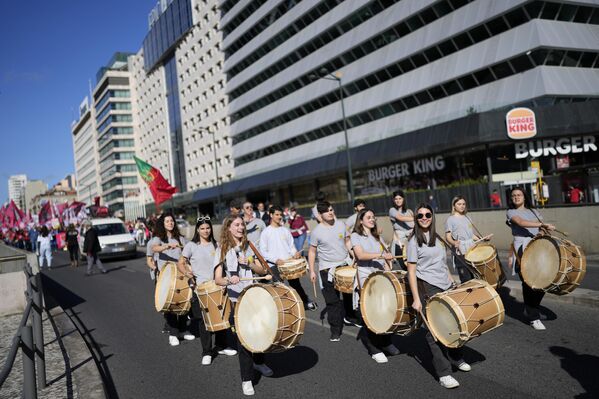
column 263, row 369
column 173, row 341
column 464, row 367
column 248, row 388
column 537, row 325
column 448, row 382
column 227, row 351
column 206, row 360
column 189, row 337
column 380, row 357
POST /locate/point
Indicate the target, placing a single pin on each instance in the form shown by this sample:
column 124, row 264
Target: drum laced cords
column 570, row 255
column 293, row 327
column 475, row 306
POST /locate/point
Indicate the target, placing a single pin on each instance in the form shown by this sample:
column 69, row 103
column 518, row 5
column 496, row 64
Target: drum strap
column 460, row 258
column 474, row 227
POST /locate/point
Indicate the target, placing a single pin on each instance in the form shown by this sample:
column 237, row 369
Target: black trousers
column 247, row 359
column 348, row 306
column 73, row 252
column 398, row 251
column 294, row 283
column 197, row 327
column 532, row 298
column 334, row 307
column 175, row 325
column 463, row 271
column 372, row 341
column 442, row 356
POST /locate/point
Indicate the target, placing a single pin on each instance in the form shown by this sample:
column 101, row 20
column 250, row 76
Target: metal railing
column 30, row 339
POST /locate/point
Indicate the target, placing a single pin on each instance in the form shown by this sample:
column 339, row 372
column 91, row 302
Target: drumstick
column 260, row 258
column 314, row 287
column 488, row 236
column 267, row 277
column 427, row 325
column 395, row 257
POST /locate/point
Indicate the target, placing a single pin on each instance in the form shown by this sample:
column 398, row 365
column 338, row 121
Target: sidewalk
column 59, row 383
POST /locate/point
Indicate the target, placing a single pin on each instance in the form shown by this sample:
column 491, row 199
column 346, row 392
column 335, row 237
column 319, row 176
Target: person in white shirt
column 253, row 225
column 276, row 246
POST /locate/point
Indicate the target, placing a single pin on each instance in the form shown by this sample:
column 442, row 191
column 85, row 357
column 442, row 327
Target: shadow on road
column 293, row 361
column 515, row 309
column 581, row 367
column 56, row 294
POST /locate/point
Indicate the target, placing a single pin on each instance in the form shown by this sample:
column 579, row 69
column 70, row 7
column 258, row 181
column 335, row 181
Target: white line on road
column 318, row 323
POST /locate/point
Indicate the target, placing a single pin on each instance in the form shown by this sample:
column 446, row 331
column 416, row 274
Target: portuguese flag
column 161, row 190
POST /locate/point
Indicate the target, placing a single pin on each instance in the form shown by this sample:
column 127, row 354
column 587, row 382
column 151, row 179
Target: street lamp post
column 336, row 77
column 218, row 202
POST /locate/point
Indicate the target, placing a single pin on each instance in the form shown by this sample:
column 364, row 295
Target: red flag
column 160, row 188
column 45, row 214
column 13, row 215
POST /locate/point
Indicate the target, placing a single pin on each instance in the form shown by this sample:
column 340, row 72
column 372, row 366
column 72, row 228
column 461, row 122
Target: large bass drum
column 173, row 293
column 472, row 309
column 553, row 265
column 269, row 318
column 386, row 303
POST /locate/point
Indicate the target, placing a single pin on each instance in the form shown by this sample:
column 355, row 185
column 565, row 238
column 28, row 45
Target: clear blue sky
column 49, row 50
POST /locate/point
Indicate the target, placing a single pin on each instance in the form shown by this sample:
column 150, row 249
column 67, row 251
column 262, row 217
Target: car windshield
column 110, row 229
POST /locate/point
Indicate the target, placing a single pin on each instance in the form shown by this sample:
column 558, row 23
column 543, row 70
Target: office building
column 16, row 184
column 32, row 189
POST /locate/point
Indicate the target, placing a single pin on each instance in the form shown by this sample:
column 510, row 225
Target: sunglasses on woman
column 427, row 215
column 203, row 219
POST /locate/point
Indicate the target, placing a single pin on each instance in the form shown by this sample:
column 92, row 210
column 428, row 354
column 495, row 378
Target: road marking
column 326, row 325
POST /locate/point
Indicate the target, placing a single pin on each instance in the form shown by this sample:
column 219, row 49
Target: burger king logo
column 521, row 124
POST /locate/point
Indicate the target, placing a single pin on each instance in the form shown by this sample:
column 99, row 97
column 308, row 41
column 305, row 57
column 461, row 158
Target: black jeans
column 442, row 356
column 74, row 252
column 198, row 328
column 463, row 271
column 294, row 283
column 372, row 341
column 532, row 298
column 334, row 307
column 247, row 359
column 175, row 325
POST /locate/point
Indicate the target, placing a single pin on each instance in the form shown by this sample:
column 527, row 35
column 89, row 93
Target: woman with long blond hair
column 459, row 232
column 235, row 260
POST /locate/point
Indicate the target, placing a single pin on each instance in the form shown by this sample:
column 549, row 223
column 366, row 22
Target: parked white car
column 115, row 240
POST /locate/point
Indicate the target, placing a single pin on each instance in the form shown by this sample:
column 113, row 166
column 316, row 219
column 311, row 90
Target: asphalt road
column 115, row 312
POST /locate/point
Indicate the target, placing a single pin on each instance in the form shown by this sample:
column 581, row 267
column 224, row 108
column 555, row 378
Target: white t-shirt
column 276, row 243
column 44, row 241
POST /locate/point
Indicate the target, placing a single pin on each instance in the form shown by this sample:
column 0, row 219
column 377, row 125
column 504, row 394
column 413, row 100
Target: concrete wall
column 12, row 280
column 581, row 224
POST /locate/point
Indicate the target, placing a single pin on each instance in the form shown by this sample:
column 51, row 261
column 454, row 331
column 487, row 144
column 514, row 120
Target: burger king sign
column 521, row 124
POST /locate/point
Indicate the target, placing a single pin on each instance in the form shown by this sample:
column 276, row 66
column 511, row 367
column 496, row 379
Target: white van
column 114, row 238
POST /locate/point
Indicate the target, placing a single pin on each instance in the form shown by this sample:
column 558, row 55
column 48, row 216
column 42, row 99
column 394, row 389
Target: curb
column 580, row 296
column 87, row 381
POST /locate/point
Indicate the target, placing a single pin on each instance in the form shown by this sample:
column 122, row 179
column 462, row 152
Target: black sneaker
column 351, row 322
column 335, row 338
column 311, row 306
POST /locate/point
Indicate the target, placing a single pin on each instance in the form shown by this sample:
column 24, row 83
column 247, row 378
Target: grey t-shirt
column 399, row 225
column 330, row 244
column 350, row 222
column 528, row 215
column 232, row 267
column 430, row 262
column 201, row 258
column 254, row 229
column 461, row 229
column 151, row 243
column 371, row 245
column 174, row 253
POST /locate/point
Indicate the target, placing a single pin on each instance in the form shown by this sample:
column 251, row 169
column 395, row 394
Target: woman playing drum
column 167, row 244
column 525, row 223
column 460, row 234
column 402, row 221
column 371, row 256
column 196, row 262
column 233, row 261
column 428, row 274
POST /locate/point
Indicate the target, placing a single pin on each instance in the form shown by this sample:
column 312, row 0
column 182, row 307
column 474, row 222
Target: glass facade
column 165, row 33
column 174, row 119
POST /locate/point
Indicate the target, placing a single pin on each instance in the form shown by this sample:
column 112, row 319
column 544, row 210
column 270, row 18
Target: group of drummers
column 233, row 287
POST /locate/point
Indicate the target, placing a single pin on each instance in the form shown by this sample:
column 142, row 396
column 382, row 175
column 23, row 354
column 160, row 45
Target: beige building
column 32, row 189
column 56, row 195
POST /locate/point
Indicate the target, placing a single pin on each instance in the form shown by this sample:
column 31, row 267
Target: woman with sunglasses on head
column 525, row 223
column 460, row 233
column 166, row 245
column 371, row 256
column 234, row 260
column 196, row 262
column 428, row 275
column 402, row 221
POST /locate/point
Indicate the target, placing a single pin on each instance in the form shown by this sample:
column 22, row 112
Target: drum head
column 163, row 286
column 443, row 321
column 540, row 263
column 379, row 303
column 480, row 253
column 257, row 319
column 346, row 272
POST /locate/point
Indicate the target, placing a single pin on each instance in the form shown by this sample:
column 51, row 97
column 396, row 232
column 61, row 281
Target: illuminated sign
column 552, row 147
column 521, row 124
